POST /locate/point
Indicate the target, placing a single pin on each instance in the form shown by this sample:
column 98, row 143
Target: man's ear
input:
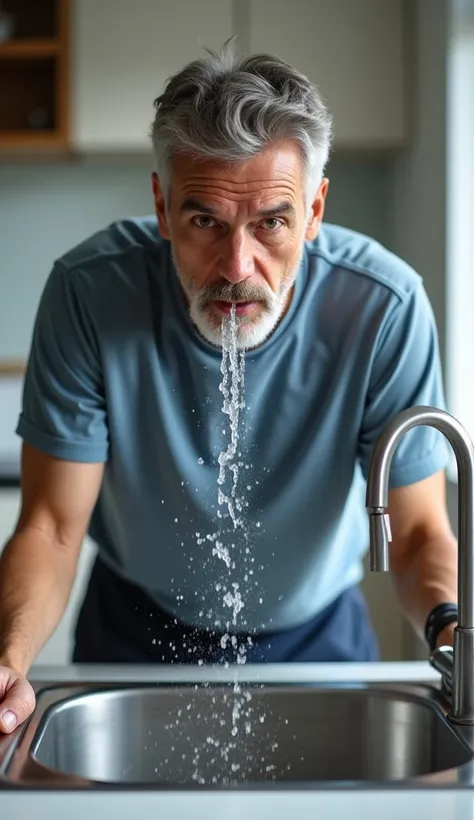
column 160, row 206
column 317, row 211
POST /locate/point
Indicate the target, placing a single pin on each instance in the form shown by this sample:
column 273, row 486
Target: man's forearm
column 427, row 577
column 36, row 578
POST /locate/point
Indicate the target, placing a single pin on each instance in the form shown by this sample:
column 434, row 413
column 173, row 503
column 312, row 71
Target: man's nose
column 237, row 263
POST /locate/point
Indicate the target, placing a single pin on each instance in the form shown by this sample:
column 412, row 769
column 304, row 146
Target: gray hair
column 230, row 108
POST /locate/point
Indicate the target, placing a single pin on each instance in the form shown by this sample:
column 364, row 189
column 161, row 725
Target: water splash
column 238, row 717
column 232, row 389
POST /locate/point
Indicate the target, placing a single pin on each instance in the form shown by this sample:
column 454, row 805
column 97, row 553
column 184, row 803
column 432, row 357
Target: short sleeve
column 406, row 372
column 63, row 408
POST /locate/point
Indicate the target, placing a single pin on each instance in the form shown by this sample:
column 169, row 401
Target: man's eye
column 204, row 221
column 272, row 224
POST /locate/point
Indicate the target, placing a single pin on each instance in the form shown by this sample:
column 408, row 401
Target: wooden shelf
column 33, row 49
column 12, row 368
column 26, row 140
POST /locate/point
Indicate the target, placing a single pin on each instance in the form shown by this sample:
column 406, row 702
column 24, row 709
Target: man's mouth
column 241, row 308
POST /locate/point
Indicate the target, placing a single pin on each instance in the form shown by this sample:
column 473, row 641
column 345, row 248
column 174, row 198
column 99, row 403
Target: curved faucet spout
column 377, row 507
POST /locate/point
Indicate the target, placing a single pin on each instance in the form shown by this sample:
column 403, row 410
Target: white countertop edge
column 396, row 671
column 329, row 805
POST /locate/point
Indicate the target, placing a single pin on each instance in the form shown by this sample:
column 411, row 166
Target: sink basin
column 218, row 735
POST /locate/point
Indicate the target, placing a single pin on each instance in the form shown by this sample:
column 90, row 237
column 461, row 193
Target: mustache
column 228, row 292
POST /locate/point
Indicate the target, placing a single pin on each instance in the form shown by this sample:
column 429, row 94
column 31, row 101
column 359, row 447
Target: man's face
column 237, row 235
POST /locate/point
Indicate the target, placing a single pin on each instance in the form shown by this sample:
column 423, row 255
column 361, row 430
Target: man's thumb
column 17, row 705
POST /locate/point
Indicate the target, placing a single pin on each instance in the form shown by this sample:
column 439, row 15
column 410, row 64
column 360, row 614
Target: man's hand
column 17, row 699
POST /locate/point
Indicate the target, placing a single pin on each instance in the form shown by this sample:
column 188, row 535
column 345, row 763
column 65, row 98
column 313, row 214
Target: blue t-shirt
column 117, row 373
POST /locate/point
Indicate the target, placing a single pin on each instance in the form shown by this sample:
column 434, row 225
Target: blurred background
column 77, row 84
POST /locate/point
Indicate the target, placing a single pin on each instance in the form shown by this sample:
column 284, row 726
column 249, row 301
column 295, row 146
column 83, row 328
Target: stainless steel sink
column 221, row 735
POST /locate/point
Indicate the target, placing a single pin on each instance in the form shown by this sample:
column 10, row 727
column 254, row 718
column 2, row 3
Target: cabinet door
column 354, row 51
column 123, row 53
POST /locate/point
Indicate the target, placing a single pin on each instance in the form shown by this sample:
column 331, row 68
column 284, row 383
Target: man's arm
column 38, row 564
column 423, row 551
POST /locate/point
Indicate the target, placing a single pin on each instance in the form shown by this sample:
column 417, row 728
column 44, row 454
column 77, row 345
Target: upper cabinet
column 355, row 51
column 82, row 75
column 34, row 70
column 123, row 54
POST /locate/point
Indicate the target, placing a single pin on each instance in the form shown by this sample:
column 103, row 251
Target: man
column 242, row 543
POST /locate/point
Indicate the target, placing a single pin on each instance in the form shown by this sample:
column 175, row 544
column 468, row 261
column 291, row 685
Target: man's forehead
column 276, row 165
column 269, row 182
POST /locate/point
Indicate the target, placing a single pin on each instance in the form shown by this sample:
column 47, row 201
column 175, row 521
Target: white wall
column 45, row 208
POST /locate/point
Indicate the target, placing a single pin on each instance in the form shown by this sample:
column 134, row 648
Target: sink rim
column 18, row 748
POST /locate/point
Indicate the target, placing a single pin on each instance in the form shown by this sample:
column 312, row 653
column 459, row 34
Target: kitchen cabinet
column 356, row 51
column 34, row 62
column 82, row 75
column 122, row 55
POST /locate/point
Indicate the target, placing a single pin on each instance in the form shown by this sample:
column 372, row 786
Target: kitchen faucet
column 456, row 665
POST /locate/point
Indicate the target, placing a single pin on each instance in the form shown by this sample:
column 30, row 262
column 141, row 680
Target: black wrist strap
column 439, row 617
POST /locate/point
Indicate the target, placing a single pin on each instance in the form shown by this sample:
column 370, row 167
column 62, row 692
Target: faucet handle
column 380, row 536
column 442, row 659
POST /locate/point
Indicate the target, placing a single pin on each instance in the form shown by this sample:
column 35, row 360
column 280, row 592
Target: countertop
column 265, row 673
column 9, row 473
column 436, row 804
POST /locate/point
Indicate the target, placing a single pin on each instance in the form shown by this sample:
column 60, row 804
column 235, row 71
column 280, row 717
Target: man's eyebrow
column 195, row 205
column 277, row 210
column 281, row 208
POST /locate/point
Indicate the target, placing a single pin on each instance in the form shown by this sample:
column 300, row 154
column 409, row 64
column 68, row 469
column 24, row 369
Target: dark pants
column 119, row 623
